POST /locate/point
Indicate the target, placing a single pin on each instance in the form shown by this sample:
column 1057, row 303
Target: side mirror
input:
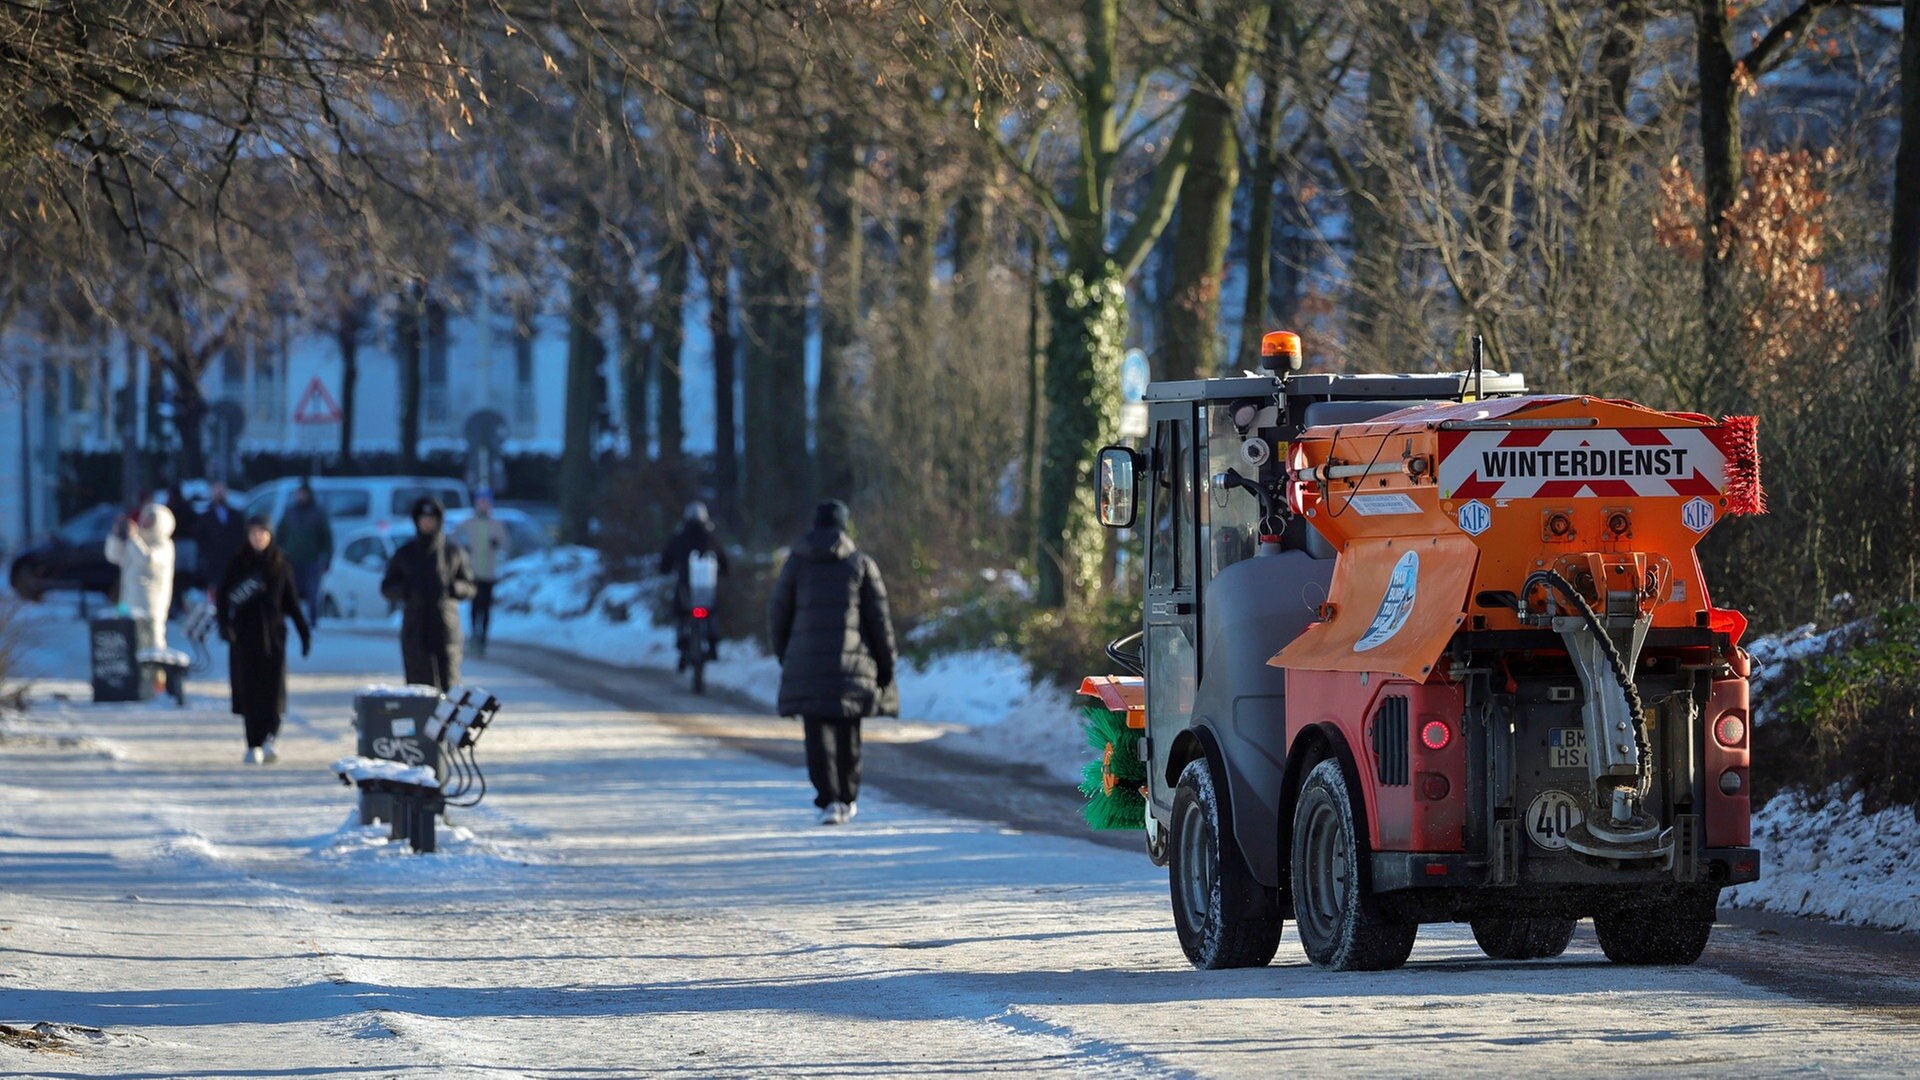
column 1118, row 493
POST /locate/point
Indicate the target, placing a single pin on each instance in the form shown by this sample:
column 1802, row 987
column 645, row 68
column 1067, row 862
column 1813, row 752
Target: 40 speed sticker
column 1550, row 816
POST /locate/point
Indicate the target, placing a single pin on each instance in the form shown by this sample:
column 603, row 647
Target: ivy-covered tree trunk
column 1088, row 320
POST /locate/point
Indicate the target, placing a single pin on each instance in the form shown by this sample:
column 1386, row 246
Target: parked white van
column 351, row 500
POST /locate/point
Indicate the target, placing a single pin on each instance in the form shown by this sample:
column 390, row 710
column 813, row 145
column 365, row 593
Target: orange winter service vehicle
column 1429, row 648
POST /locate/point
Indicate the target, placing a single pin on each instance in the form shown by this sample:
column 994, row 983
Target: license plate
column 1567, row 748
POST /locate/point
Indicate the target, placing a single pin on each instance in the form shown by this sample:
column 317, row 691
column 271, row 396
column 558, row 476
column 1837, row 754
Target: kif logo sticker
column 1564, row 463
column 1396, row 607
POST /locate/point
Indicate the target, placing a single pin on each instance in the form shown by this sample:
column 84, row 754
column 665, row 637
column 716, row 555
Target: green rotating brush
column 1112, row 781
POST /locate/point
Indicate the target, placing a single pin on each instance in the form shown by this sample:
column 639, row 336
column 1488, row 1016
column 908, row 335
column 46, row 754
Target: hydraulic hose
column 1561, row 585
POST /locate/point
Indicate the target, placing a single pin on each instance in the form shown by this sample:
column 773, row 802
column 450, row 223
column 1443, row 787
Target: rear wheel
column 1523, row 938
column 1340, row 925
column 1224, row 917
column 1669, row 933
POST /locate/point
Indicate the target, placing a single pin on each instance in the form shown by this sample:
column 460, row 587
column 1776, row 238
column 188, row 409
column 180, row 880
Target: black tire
column 1224, row 917
column 1672, row 933
column 1540, row 938
column 1341, row 927
column 28, row 581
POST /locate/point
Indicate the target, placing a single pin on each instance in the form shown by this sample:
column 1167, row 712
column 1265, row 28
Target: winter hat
column 260, row 521
column 426, row 505
column 832, row 514
column 697, row 512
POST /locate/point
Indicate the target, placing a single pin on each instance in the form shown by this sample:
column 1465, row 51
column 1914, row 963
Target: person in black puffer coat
column 254, row 599
column 428, row 577
column 834, row 639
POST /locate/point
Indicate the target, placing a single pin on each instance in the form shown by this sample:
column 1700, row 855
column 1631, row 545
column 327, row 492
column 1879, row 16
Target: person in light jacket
column 428, row 577
column 144, row 553
column 485, row 538
column 834, row 637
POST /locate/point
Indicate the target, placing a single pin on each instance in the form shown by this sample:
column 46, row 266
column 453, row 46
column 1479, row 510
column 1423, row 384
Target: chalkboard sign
column 390, row 721
column 117, row 673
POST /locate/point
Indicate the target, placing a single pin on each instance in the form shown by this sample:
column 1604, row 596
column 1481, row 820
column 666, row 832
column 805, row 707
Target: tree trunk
column 410, row 337
column 778, row 475
column 669, row 334
column 636, row 365
column 189, row 414
column 1903, row 256
column 585, row 353
column 1266, row 167
column 350, row 323
column 1030, row 475
column 1375, row 238
column 840, row 280
column 717, row 268
column 1191, row 314
column 1720, row 166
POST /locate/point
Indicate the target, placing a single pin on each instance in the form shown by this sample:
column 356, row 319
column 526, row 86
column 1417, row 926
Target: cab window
column 1230, row 514
column 1164, row 548
column 344, row 502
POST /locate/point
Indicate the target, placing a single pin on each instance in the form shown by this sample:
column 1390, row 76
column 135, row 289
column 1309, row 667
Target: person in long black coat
column 833, row 636
column 255, row 598
column 428, row 577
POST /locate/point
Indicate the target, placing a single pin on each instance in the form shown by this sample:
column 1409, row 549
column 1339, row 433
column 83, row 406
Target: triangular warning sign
column 316, row 406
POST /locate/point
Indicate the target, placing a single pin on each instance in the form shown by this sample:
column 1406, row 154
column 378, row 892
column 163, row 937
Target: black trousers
column 261, row 727
column 833, row 759
column 482, row 612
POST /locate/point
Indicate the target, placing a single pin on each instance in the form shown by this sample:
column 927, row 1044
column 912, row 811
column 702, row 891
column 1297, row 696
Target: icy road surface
column 636, row 900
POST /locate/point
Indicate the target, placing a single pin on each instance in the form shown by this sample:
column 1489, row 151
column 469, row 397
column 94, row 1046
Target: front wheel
column 1340, row 926
column 1523, row 938
column 1671, row 933
column 1224, row 917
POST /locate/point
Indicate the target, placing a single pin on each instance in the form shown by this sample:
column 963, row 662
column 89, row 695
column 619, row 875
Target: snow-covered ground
column 986, row 700
column 632, row 900
column 987, row 705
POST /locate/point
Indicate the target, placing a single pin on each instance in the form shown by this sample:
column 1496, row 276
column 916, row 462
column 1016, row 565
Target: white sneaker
column 847, row 810
column 268, row 755
column 833, row 813
column 253, row 756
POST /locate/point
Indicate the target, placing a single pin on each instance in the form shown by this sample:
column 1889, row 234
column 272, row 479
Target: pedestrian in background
column 144, row 553
column 697, row 536
column 428, row 577
column 255, row 598
column 834, row 638
column 306, row 536
column 220, row 532
column 485, row 538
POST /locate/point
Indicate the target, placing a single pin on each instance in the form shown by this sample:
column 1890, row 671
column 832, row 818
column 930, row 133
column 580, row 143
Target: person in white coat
column 145, row 557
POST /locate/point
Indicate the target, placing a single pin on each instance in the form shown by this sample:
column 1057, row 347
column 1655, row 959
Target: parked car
column 351, row 587
column 351, row 500
column 74, row 557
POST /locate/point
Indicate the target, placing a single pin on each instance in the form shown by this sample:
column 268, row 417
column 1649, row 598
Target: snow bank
column 1824, row 855
column 987, row 698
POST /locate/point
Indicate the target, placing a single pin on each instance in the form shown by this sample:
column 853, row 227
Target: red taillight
column 1731, row 730
column 701, row 613
column 1435, row 735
